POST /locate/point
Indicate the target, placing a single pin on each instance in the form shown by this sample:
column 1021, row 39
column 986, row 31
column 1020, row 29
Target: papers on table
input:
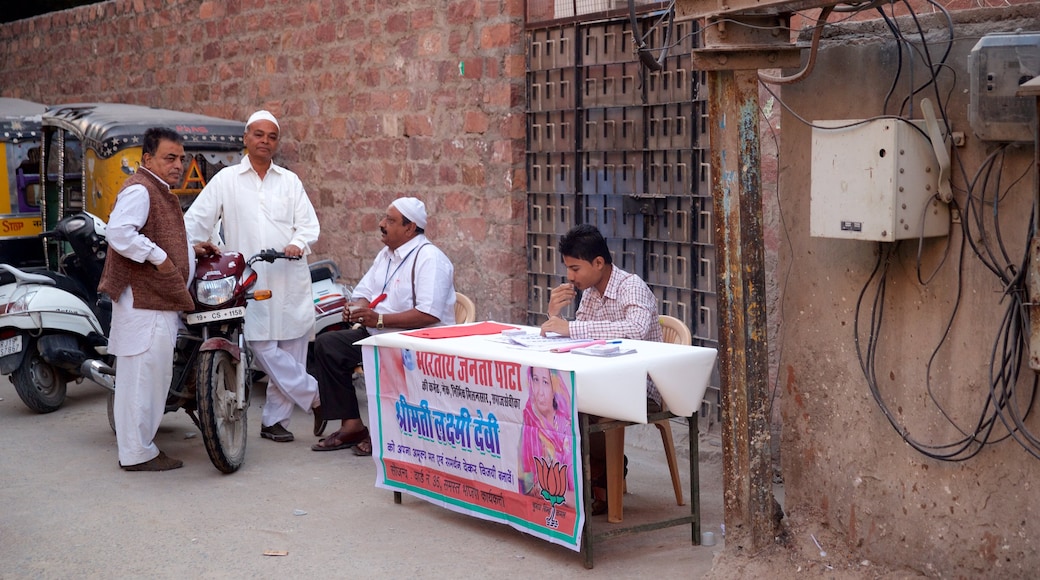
column 605, row 350
column 535, row 341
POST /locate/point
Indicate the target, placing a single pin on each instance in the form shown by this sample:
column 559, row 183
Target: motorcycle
column 53, row 324
column 211, row 377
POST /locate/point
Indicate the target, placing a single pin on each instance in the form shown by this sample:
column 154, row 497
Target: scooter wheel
column 40, row 385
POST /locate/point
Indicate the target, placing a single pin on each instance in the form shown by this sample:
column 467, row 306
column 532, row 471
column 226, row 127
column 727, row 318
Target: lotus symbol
column 553, row 480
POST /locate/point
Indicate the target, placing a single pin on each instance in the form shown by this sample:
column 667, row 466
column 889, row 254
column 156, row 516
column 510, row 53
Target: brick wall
column 375, row 100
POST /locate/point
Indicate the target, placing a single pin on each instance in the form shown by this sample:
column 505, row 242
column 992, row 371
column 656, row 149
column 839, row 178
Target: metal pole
column 740, row 286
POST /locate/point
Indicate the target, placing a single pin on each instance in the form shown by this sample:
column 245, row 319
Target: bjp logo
column 553, row 480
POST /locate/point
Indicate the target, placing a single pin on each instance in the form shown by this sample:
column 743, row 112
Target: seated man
column 614, row 304
column 418, row 282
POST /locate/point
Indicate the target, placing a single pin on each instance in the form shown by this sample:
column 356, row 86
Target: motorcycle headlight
column 215, row 292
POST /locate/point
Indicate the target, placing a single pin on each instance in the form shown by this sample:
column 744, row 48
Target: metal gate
column 612, row 144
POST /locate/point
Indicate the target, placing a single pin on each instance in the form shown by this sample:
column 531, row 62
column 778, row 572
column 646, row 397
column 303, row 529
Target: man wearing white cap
column 263, row 205
column 414, row 283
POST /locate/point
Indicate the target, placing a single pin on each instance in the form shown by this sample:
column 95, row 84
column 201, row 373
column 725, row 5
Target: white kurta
column 142, row 340
column 256, row 214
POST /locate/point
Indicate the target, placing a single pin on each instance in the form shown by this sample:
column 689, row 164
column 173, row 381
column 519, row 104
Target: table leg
column 695, row 479
column 615, row 439
column 586, row 531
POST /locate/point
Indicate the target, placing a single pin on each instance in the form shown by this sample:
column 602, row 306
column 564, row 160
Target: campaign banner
column 492, row 439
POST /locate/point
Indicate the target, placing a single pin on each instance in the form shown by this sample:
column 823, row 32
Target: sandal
column 341, row 440
column 364, row 447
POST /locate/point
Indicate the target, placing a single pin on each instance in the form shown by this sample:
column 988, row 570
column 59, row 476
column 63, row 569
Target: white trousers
column 285, row 362
column 142, row 383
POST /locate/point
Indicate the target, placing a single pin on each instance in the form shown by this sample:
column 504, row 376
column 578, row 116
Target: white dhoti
column 288, row 383
column 142, row 384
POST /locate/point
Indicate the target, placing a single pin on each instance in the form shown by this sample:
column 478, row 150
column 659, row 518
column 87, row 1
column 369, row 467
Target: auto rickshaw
column 20, row 221
column 107, row 142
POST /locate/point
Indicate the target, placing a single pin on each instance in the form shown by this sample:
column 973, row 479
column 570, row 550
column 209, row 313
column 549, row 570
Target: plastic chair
column 465, row 311
column 675, row 332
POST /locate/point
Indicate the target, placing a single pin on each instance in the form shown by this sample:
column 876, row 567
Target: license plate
column 216, row 315
column 11, row 345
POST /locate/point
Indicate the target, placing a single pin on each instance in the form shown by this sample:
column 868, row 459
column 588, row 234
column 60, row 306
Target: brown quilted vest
column 164, row 227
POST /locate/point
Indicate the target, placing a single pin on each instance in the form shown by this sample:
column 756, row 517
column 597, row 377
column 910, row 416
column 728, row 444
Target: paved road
column 67, row 510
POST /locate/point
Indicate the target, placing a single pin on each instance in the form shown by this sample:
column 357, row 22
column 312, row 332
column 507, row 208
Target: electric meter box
column 997, row 65
column 874, row 180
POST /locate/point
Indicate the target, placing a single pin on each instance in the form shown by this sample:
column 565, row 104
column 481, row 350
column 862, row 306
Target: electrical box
column 875, row 180
column 997, row 65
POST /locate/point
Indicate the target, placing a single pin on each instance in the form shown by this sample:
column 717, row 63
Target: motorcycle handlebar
column 270, row 255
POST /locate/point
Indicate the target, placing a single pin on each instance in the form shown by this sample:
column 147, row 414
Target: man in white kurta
column 259, row 205
column 143, row 336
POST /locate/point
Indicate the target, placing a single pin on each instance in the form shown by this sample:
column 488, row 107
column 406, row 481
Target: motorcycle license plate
column 11, row 345
column 216, row 315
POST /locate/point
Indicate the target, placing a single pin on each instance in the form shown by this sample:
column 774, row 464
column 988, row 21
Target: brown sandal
column 340, row 440
column 363, row 448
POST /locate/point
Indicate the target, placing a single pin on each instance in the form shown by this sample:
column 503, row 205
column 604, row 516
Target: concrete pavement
column 66, row 509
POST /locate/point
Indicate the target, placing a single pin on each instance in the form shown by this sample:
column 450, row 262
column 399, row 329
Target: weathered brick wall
column 375, row 100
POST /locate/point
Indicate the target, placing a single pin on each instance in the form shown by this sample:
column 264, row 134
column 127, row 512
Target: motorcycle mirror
column 260, row 294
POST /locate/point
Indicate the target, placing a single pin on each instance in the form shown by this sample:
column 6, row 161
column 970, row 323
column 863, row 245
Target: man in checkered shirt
column 614, row 304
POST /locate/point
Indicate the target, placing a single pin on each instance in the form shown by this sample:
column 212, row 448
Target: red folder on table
column 456, row 331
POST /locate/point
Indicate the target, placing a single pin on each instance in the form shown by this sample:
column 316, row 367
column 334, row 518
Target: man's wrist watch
column 379, row 322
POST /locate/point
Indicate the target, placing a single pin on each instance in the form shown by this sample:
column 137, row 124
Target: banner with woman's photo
column 492, row 439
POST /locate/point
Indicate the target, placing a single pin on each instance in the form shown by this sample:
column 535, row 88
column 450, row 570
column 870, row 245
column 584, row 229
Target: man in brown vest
column 147, row 270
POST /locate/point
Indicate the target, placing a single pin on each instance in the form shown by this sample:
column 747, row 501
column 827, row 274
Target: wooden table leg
column 615, row 439
column 586, row 532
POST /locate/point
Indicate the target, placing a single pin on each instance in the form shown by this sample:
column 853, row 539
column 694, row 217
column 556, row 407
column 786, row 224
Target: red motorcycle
column 211, row 375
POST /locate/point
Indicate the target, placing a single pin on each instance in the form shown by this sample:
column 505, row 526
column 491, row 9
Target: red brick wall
column 375, row 100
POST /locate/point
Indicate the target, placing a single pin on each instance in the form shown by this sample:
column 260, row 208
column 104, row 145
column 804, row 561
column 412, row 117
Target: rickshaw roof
column 19, row 119
column 110, row 127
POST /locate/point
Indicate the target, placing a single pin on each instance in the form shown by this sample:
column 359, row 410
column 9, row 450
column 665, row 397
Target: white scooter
column 53, row 324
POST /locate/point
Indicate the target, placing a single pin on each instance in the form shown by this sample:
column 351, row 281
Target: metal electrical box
column 997, row 65
column 874, row 180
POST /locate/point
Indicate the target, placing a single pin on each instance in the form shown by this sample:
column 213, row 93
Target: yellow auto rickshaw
column 20, row 221
column 107, row 149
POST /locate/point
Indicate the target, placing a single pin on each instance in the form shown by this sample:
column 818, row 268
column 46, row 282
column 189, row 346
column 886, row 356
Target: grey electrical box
column 874, row 180
column 997, row 65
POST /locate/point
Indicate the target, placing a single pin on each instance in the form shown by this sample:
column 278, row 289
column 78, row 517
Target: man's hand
column 166, row 267
column 293, row 251
column 556, row 324
column 364, row 316
column 560, row 298
column 206, row 249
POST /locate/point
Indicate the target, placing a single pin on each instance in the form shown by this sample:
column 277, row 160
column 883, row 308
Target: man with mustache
column 146, row 274
column 418, row 282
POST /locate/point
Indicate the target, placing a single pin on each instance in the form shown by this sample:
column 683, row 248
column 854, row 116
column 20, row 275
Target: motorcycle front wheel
column 39, row 384
column 223, row 423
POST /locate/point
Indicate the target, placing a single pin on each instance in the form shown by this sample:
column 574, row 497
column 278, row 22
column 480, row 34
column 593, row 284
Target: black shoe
column 160, row 462
column 276, row 433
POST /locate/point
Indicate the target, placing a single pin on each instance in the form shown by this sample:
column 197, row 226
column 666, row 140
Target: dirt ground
column 66, row 510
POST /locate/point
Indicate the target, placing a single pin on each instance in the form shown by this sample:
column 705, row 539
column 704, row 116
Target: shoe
column 319, row 422
column 340, row 440
column 276, row 433
column 160, row 462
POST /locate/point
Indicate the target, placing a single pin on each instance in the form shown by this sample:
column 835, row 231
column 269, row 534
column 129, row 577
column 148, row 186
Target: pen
column 376, row 300
column 580, row 345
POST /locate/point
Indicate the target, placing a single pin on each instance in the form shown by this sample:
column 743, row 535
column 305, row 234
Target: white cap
column 413, row 209
column 262, row 116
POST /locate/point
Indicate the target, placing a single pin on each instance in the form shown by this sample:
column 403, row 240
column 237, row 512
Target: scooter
column 53, row 324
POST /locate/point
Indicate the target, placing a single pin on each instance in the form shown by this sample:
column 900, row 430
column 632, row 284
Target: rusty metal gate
column 612, row 144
